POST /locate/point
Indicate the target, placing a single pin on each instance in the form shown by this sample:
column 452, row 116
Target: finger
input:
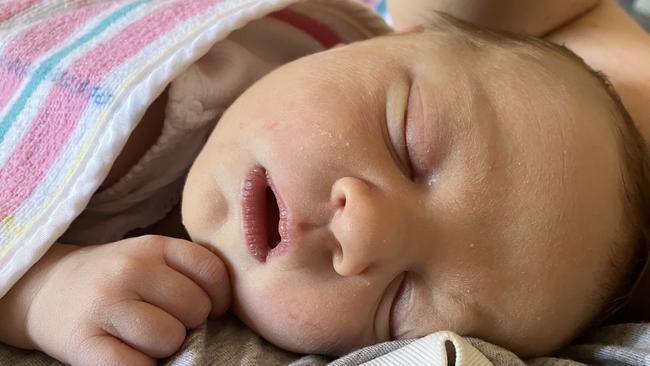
column 107, row 350
column 202, row 267
column 144, row 327
column 176, row 294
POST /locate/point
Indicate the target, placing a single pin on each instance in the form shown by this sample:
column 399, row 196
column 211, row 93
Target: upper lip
column 256, row 218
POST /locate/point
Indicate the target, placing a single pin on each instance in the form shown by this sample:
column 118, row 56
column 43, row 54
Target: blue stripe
column 382, row 8
column 39, row 75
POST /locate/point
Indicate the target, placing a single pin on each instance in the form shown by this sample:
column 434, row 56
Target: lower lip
column 255, row 218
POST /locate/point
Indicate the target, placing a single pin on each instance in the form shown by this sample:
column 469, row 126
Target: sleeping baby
column 444, row 177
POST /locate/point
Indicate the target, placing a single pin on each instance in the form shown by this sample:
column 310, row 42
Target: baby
column 441, row 178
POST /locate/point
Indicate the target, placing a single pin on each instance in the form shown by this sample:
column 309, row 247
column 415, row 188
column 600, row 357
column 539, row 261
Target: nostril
column 340, row 202
column 338, row 199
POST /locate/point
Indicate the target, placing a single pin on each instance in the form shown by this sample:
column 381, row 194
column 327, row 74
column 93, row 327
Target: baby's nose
column 368, row 225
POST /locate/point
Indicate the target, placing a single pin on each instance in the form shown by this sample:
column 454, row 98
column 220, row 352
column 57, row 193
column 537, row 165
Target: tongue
column 273, row 218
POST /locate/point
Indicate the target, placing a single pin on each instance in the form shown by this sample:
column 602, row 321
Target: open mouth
column 273, row 219
column 264, row 216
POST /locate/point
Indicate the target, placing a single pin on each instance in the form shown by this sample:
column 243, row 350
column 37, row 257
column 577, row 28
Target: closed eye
column 395, row 133
column 413, row 123
column 407, row 121
column 397, row 303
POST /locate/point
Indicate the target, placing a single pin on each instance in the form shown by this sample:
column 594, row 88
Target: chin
column 291, row 333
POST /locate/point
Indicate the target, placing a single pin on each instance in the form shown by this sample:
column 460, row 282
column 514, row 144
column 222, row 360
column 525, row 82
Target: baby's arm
column 536, row 17
column 15, row 304
column 125, row 303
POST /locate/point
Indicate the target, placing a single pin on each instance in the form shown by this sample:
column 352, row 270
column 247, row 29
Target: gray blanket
column 226, row 341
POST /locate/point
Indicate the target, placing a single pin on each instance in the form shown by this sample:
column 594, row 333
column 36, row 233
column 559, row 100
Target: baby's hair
column 628, row 256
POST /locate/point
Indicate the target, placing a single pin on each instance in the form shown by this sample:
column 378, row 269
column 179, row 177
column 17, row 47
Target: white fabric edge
column 431, row 350
column 72, row 202
column 77, row 196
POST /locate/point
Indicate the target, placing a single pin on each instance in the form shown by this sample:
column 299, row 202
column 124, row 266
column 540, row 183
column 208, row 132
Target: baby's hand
column 127, row 302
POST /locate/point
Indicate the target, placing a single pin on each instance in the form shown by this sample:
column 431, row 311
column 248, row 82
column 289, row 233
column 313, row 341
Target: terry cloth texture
column 379, row 5
column 77, row 77
column 195, row 101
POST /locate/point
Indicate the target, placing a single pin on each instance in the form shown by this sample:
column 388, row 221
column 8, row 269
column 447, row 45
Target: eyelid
column 413, row 123
column 394, row 132
column 384, row 307
column 408, row 117
column 391, row 147
column 428, row 137
column 398, row 298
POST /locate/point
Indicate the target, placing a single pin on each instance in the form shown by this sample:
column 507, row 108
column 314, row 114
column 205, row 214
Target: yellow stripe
column 9, row 224
column 20, row 229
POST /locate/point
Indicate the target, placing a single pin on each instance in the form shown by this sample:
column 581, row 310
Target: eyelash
column 417, row 151
column 396, row 300
column 409, row 160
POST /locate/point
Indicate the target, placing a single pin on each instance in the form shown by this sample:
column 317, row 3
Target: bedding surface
column 226, row 341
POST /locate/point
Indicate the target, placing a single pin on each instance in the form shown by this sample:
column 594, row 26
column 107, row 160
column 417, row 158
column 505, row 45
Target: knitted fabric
column 75, row 79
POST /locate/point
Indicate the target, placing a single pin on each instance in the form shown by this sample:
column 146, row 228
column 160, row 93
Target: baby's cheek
column 300, row 315
column 294, row 139
column 282, row 320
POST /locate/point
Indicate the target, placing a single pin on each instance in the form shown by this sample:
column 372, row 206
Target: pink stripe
column 317, row 30
column 34, row 42
column 62, row 109
column 9, row 9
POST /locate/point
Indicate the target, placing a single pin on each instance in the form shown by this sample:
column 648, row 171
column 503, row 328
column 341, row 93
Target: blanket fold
column 77, row 77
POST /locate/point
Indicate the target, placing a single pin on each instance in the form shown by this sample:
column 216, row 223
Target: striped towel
column 379, row 5
column 76, row 77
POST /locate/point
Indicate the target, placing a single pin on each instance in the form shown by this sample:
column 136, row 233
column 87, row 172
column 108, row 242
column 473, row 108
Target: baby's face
column 423, row 185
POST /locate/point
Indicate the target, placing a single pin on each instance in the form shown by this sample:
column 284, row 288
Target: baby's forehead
column 489, row 46
column 497, row 56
